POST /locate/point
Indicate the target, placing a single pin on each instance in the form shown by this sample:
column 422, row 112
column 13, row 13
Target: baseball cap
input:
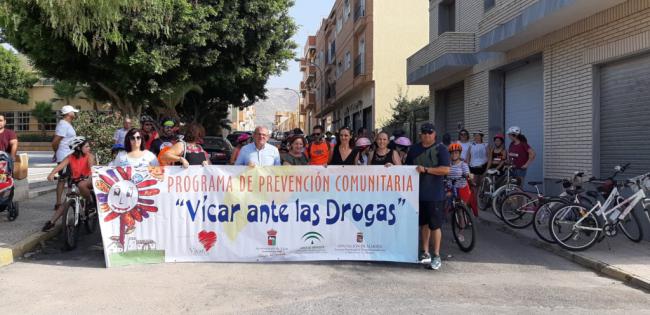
column 168, row 123
column 427, row 127
column 67, row 109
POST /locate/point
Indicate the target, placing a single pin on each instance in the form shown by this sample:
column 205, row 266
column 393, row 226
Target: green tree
column 66, row 91
column 14, row 80
column 136, row 51
column 44, row 114
column 404, row 108
column 99, row 130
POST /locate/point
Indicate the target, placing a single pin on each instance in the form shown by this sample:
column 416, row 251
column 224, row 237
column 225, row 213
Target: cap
column 362, row 142
column 243, row 137
column 168, row 123
column 67, row 109
column 427, row 127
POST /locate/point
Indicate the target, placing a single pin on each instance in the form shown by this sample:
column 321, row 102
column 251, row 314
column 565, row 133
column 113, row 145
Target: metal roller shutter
column 455, row 111
column 524, row 107
column 625, row 115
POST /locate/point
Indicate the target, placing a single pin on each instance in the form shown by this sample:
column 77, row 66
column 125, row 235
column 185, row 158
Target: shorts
column 478, row 170
column 432, row 214
column 518, row 172
column 64, row 174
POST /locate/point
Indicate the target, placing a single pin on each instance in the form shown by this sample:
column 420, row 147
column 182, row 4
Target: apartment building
column 352, row 69
column 573, row 74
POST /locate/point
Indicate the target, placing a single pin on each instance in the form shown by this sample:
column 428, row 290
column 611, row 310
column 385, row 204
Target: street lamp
column 299, row 97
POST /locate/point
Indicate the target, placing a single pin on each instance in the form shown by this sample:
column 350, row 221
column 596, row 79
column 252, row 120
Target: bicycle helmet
column 514, row 130
column 499, row 136
column 455, row 147
column 403, row 141
column 243, row 138
column 76, row 142
column 363, row 142
column 146, row 118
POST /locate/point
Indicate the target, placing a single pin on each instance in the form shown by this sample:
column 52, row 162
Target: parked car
column 219, row 150
column 233, row 136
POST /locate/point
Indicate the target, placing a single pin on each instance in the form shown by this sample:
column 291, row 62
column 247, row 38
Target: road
column 503, row 274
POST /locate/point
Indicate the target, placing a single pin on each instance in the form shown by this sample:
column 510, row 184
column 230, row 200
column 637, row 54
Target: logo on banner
column 207, row 239
column 271, row 237
column 359, row 237
column 312, row 238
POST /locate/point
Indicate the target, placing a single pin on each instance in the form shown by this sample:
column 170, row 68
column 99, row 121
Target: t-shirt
column 318, row 153
column 431, row 186
column 459, row 172
column 119, row 135
column 123, row 159
column 463, row 154
column 519, row 154
column 161, row 142
column 5, row 138
column 478, row 154
column 64, row 129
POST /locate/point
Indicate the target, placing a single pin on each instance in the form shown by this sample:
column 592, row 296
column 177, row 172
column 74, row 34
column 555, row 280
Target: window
column 360, row 10
column 21, row 121
column 339, row 70
column 348, row 60
column 488, row 4
column 346, row 11
column 331, row 53
column 447, row 16
column 339, row 24
column 359, row 61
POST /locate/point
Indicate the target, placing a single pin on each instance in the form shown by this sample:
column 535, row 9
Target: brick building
column 351, row 66
column 573, row 74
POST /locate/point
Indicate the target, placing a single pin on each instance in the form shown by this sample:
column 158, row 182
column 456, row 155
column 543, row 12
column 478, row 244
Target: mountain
column 278, row 100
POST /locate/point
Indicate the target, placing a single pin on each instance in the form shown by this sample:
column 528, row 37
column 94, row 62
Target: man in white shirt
column 121, row 133
column 63, row 134
column 259, row 153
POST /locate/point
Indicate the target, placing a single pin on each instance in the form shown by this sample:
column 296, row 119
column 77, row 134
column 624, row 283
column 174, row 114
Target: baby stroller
column 7, row 187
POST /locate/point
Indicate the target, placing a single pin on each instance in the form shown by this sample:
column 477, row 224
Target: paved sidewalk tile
column 33, row 214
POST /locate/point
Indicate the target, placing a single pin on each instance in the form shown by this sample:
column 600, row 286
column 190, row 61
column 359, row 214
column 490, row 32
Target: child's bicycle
column 462, row 222
column 77, row 211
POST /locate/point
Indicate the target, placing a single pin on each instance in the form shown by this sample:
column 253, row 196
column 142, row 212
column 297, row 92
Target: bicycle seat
column 535, row 183
column 492, row 172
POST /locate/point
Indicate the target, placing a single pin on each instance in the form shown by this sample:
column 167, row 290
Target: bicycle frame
column 630, row 203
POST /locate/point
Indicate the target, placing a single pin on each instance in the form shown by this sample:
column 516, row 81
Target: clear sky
column 308, row 15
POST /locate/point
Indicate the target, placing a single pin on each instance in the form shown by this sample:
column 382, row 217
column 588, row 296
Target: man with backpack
column 318, row 151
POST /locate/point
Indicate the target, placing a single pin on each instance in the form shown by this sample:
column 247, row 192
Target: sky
column 308, row 15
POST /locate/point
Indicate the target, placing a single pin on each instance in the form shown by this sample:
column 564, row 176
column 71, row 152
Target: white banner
column 243, row 214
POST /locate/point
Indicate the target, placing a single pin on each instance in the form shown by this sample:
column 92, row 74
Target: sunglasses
column 316, row 134
column 135, row 138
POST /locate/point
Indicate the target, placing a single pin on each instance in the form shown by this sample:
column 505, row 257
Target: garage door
column 455, row 110
column 625, row 115
column 524, row 107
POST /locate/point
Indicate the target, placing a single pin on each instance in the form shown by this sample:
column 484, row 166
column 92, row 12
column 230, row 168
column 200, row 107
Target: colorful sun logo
column 123, row 194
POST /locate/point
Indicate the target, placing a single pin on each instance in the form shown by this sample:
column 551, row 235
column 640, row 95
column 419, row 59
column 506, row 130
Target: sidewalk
column 616, row 257
column 21, row 236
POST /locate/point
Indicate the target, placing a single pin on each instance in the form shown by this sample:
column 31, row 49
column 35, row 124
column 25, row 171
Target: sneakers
column 48, row 226
column 424, row 258
column 436, row 263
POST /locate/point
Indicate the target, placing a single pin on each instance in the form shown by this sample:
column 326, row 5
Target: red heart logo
column 207, row 239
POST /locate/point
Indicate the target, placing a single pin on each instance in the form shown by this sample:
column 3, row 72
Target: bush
column 34, row 138
column 98, row 128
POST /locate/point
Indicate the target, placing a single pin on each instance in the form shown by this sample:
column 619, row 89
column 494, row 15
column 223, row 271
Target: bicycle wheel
column 484, row 194
column 543, row 217
column 499, row 195
column 518, row 209
column 70, row 229
column 463, row 228
column 91, row 219
column 574, row 228
column 631, row 227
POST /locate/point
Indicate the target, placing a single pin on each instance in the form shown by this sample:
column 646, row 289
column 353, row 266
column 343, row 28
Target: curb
column 583, row 260
column 7, row 254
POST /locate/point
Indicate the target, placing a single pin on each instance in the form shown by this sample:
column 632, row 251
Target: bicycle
column 584, row 226
column 77, row 211
column 494, row 187
column 462, row 224
column 520, row 209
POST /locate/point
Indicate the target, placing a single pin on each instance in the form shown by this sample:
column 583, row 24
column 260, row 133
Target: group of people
column 433, row 160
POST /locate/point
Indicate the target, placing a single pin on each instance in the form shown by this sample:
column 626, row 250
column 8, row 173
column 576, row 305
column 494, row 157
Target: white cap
column 67, row 109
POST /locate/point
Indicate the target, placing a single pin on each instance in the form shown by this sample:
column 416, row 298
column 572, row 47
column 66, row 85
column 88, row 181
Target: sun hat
column 67, row 109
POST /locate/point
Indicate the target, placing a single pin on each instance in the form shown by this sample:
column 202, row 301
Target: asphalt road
column 503, row 274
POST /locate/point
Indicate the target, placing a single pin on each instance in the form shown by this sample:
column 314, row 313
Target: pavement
column 615, row 257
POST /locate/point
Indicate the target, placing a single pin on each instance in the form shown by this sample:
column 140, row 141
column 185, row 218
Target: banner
column 246, row 214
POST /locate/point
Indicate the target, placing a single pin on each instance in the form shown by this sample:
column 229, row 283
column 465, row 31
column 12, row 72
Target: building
column 352, row 68
column 243, row 119
column 285, row 121
column 573, row 74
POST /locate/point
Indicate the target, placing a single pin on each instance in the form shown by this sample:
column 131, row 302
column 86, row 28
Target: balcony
column 359, row 65
column 359, row 10
column 303, row 65
column 310, row 46
column 530, row 21
column 449, row 54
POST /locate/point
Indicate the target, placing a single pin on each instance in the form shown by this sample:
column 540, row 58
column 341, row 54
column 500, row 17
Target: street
column 503, row 274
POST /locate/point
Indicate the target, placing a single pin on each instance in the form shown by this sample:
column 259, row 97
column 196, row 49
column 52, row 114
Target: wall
column 398, row 26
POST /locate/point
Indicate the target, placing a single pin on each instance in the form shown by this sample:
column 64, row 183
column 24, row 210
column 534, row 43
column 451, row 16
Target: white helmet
column 76, row 142
column 514, row 130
